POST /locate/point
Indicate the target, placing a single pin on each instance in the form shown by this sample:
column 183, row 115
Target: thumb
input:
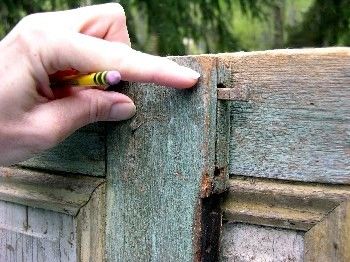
column 62, row 117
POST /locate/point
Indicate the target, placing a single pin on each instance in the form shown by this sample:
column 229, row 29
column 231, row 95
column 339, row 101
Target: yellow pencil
column 100, row 79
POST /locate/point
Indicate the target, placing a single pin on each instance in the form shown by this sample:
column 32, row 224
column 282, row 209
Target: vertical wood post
column 159, row 163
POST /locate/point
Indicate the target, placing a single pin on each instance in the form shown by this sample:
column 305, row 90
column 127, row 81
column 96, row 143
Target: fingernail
column 122, row 111
column 189, row 72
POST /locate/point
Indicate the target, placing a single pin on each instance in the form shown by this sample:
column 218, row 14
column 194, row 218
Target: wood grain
column 75, row 233
column 59, row 193
column 32, row 235
column 156, row 163
column 329, row 240
column 292, row 117
column 281, row 204
column 221, row 175
column 289, row 121
column 90, row 225
column 84, row 152
column 243, row 242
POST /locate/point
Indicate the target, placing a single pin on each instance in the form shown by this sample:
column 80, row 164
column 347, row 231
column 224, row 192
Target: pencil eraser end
column 113, row 77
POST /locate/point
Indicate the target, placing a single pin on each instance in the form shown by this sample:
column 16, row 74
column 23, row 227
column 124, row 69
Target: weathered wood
column 292, row 120
column 35, row 234
column 61, row 193
column 242, row 242
column 90, row 225
column 289, row 120
column 84, row 152
column 221, row 175
column 329, row 240
column 32, row 235
column 281, row 204
column 156, row 163
column 232, row 94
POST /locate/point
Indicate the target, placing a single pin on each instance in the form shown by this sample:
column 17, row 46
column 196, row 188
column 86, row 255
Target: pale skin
column 32, row 117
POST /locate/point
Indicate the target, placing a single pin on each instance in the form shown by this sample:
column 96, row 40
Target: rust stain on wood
column 206, row 185
column 214, row 184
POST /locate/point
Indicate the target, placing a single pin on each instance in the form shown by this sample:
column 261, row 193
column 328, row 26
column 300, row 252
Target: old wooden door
column 251, row 165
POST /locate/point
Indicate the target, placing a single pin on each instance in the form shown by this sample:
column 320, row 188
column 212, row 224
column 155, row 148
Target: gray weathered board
column 33, row 235
column 84, row 152
column 48, row 218
column 156, row 162
column 291, row 119
column 316, row 216
column 244, row 242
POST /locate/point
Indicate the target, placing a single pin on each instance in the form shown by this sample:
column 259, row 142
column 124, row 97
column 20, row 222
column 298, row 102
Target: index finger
column 87, row 54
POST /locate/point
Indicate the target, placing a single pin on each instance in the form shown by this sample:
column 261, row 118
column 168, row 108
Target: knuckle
column 98, row 108
column 31, row 21
column 24, row 37
column 119, row 8
column 27, row 38
column 118, row 12
column 23, row 41
column 27, row 20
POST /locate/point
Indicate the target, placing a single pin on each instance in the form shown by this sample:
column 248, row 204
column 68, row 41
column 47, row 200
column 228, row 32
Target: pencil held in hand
column 100, row 79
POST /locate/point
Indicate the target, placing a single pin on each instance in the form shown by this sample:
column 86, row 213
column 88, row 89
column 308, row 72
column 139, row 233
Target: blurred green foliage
column 326, row 23
column 177, row 27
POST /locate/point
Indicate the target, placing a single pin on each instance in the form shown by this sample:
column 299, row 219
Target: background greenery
column 177, row 27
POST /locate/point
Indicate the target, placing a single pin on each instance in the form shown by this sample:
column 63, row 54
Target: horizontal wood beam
column 84, row 152
column 290, row 113
column 61, row 193
column 281, row 204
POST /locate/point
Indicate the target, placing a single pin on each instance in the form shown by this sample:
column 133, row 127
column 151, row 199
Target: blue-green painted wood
column 84, row 152
column 295, row 121
column 155, row 166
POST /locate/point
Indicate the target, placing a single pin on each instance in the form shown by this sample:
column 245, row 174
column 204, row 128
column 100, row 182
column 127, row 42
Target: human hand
column 87, row 39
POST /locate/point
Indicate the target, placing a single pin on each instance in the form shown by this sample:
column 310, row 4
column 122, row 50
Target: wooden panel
column 156, row 163
column 83, row 152
column 329, row 240
column 35, row 235
column 53, row 192
column 292, row 117
column 281, row 204
column 243, row 242
column 90, row 224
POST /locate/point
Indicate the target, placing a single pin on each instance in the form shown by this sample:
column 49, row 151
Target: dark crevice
column 211, row 228
column 220, row 85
